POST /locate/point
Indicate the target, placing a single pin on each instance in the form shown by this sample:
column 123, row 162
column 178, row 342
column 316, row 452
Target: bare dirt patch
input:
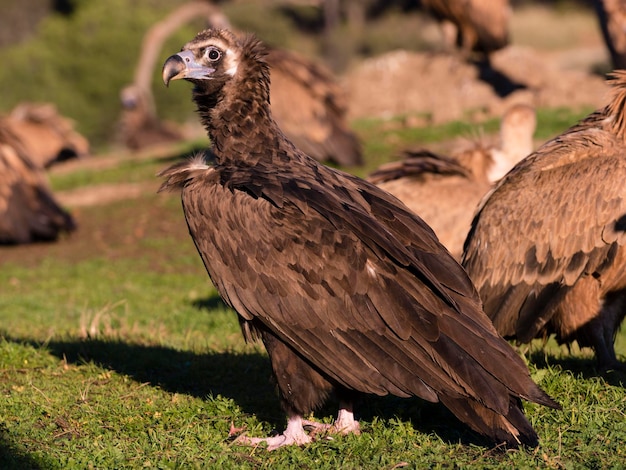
column 102, row 194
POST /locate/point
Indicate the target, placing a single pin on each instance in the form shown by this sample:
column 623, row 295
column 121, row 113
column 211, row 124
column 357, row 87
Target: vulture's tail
column 513, row 429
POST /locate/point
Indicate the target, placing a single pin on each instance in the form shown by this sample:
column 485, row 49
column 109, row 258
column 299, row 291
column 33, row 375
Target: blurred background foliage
column 80, row 58
column 80, row 53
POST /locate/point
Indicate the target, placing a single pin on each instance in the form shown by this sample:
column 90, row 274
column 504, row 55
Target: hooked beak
column 184, row 65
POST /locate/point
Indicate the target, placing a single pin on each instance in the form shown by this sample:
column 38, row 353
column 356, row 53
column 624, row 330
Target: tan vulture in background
column 445, row 191
column 472, row 25
column 311, row 107
column 28, row 210
column 45, row 136
column 547, row 248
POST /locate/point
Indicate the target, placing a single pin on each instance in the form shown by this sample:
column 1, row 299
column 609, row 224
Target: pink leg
column 293, row 435
column 344, row 424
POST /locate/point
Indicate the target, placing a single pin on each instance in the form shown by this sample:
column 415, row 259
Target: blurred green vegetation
column 80, row 59
column 81, row 53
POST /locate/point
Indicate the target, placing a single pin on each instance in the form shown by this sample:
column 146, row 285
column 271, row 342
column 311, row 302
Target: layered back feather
column 546, row 248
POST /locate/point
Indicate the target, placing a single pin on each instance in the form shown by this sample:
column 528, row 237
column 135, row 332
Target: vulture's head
column 216, row 61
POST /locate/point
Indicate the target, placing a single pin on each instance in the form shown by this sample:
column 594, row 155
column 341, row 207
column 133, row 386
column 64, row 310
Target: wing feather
column 398, row 302
column 552, row 219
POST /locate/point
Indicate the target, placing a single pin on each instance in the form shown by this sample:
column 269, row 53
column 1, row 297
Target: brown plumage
column 28, row 210
column 546, row 249
column 45, row 136
column 474, row 25
column 445, row 191
column 348, row 290
column 612, row 19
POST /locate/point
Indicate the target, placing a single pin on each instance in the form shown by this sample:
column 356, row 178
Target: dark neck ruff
column 237, row 116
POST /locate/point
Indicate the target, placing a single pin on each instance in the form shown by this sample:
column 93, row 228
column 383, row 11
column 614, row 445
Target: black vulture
column 546, row 249
column 348, row 290
column 612, row 18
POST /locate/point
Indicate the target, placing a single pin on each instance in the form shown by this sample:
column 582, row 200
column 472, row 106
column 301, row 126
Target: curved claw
column 294, row 434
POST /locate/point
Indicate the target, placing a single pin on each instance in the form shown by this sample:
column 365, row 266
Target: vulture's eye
column 213, row 54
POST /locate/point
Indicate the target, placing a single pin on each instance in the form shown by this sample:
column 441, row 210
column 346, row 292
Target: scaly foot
column 344, row 424
column 293, row 435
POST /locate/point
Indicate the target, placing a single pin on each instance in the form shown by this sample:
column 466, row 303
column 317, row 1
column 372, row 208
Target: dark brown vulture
column 308, row 102
column 28, row 210
column 348, row 290
column 474, row 25
column 612, row 19
column 45, row 136
column 445, row 191
column 547, row 248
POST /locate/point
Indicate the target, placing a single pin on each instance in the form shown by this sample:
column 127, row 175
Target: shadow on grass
column 585, row 367
column 11, row 457
column 210, row 303
column 424, row 417
column 245, row 378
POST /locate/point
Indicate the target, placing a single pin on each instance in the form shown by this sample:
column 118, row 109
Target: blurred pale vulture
column 473, row 25
column 45, row 136
column 546, row 249
column 139, row 125
column 445, row 191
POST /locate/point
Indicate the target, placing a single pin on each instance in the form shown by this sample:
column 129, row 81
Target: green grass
column 384, row 139
column 116, row 352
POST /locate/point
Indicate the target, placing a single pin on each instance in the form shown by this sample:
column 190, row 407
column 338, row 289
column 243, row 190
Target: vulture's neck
column 239, row 123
